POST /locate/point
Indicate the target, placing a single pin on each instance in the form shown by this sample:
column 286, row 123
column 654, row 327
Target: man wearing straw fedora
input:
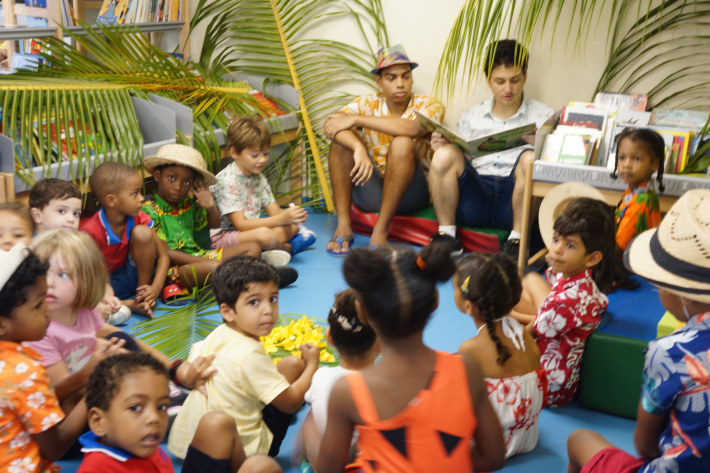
column 379, row 154
column 674, row 410
column 178, row 170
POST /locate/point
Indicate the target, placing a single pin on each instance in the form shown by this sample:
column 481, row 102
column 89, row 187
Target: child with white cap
column 673, row 415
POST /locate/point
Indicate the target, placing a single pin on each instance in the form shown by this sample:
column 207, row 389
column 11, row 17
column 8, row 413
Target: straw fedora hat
column 676, row 255
column 180, row 155
column 557, row 200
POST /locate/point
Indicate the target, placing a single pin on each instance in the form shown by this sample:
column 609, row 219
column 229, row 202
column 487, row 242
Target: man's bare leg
column 401, row 166
column 446, row 167
column 340, row 163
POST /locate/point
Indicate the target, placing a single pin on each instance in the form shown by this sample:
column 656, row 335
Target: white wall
column 555, row 75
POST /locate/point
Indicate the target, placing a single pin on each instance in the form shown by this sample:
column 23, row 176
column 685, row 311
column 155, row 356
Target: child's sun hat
column 390, row 56
column 10, row 260
column 180, row 155
column 557, row 200
column 676, row 255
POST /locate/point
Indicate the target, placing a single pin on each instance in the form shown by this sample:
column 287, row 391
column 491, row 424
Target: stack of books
column 139, row 11
column 579, row 136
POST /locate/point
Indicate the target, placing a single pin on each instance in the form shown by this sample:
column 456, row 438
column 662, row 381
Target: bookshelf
column 11, row 32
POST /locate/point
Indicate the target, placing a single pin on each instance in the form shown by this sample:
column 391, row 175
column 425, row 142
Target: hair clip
column 464, row 286
column 421, row 263
column 347, row 325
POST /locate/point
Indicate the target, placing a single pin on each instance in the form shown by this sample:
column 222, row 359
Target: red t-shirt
column 114, row 249
column 100, row 458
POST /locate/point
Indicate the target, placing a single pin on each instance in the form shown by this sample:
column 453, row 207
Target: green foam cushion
column 611, row 374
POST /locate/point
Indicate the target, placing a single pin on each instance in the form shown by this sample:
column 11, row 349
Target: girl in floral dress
column 486, row 287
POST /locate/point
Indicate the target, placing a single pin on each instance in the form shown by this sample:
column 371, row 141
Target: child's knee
column 216, row 423
column 260, row 464
column 142, row 235
column 291, row 368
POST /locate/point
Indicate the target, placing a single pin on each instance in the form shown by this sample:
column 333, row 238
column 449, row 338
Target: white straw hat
column 676, row 255
column 10, row 261
column 557, row 200
column 180, row 155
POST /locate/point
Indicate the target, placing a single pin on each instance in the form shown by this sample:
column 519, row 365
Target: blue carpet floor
column 320, row 278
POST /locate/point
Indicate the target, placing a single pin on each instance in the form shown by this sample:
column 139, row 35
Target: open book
column 481, row 146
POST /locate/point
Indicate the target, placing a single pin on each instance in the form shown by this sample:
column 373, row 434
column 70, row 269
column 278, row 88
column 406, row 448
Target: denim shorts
column 369, row 196
column 485, row 201
column 124, row 280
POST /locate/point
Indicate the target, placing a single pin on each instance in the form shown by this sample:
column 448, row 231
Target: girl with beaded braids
column 412, row 410
column 487, row 287
column 357, row 348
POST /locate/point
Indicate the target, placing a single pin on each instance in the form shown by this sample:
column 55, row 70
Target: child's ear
column 470, row 307
column 5, row 323
column 329, row 337
column 233, row 152
column 36, row 215
column 110, row 200
column 156, row 175
column 96, row 420
column 593, row 259
column 227, row 312
column 361, row 312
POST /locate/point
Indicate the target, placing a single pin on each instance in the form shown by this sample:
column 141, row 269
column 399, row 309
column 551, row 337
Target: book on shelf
column 481, row 146
column 632, row 118
column 623, row 101
column 139, row 11
column 577, row 149
column 693, row 119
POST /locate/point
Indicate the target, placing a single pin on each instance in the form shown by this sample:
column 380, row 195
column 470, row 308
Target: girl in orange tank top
column 412, row 411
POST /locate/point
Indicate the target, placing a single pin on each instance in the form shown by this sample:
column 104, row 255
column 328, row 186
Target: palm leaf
column 268, row 39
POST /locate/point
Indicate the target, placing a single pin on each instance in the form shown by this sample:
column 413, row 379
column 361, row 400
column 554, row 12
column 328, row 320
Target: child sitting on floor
column 16, row 225
column 581, row 263
column 55, row 203
column 416, row 409
column 247, row 385
column 357, row 347
column 639, row 153
column 179, row 169
column 673, row 417
column 77, row 337
column 486, row 287
column 136, row 258
column 127, row 397
column 35, row 431
column 242, row 191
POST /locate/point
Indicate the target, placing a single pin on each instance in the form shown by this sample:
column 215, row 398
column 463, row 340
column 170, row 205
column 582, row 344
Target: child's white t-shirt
column 319, row 394
column 245, row 382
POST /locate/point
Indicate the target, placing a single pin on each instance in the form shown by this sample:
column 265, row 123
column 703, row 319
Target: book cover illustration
column 623, row 102
column 693, row 119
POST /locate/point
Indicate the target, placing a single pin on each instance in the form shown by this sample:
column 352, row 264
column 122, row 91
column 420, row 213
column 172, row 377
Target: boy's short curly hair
column 232, row 276
column 108, row 178
column 106, row 379
column 14, row 292
column 248, row 131
column 507, row 53
column 47, row 190
column 21, row 210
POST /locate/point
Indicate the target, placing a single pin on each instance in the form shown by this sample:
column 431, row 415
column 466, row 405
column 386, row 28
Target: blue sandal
column 340, row 240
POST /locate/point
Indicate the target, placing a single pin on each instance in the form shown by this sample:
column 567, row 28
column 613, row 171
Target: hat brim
column 639, row 260
column 375, row 71
column 152, row 162
column 557, row 200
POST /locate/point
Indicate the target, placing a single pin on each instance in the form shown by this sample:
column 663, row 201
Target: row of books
column 139, row 11
column 585, row 133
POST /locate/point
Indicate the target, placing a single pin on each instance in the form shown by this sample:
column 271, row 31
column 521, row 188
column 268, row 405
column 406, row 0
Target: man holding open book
column 487, row 191
column 379, row 152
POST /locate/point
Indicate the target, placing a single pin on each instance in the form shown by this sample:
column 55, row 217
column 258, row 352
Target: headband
column 10, row 261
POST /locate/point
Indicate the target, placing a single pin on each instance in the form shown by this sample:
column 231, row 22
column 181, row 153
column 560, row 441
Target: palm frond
column 270, row 39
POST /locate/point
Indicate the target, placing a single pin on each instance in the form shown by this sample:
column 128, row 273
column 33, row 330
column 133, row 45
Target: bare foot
column 140, row 308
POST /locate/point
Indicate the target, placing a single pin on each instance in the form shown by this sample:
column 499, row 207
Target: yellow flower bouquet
column 293, row 330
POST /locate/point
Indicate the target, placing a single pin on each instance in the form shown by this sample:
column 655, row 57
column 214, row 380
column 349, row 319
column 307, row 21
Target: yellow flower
column 285, row 339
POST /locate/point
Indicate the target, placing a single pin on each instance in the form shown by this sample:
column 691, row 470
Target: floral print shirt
column 567, row 316
column 676, row 383
column 637, row 211
column 235, row 192
column 378, row 144
column 28, row 406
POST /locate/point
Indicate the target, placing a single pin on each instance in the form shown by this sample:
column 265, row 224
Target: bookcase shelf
column 11, row 34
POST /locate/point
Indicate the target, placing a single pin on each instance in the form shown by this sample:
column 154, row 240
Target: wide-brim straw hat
column 557, row 200
column 676, row 255
column 390, row 56
column 180, row 155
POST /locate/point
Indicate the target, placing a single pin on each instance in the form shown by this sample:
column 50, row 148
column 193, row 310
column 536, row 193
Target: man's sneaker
column 453, row 242
column 512, row 248
column 302, row 241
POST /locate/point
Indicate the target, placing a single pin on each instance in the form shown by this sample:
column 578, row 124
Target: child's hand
column 148, row 294
column 106, row 348
column 203, row 196
column 293, row 215
column 196, row 373
column 310, row 353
